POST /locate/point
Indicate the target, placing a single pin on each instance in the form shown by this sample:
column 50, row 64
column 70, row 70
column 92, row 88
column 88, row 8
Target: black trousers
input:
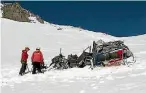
column 23, row 68
column 36, row 66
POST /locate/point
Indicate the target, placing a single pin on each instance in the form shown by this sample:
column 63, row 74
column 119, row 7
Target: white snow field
column 16, row 35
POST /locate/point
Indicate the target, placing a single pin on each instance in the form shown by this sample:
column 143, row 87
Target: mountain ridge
column 16, row 12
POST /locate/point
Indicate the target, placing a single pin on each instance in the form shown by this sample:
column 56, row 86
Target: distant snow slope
column 16, row 35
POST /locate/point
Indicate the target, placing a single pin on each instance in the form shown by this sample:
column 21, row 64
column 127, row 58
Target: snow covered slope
column 16, row 35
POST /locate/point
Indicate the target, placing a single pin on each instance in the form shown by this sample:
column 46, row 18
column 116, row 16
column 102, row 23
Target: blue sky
column 115, row 18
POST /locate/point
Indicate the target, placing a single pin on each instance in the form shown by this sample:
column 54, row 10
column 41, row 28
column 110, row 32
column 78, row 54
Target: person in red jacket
column 37, row 59
column 24, row 57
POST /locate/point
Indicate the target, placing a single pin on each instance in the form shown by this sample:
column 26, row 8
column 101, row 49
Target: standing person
column 24, row 57
column 37, row 59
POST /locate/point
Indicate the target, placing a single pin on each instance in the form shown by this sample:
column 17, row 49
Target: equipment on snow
column 59, row 62
column 72, row 60
column 112, row 53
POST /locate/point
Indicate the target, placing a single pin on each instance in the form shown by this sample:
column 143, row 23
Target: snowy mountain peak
column 16, row 12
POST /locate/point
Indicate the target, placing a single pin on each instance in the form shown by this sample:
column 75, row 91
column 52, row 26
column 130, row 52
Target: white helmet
column 38, row 48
